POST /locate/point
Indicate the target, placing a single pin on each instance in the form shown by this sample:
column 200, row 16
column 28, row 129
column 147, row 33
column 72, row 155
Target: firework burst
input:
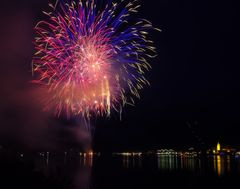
column 92, row 57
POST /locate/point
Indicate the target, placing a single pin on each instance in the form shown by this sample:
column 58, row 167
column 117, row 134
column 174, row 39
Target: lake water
column 113, row 172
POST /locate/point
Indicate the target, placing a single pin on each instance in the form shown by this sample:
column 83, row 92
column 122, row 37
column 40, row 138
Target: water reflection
column 132, row 161
column 223, row 164
column 167, row 162
column 78, row 170
column 86, row 159
column 173, row 162
column 66, row 169
column 218, row 165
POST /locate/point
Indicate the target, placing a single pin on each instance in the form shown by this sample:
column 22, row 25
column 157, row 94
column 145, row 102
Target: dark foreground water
column 113, row 172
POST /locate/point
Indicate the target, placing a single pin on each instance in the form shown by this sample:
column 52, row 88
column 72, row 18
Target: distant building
column 218, row 147
column 222, row 150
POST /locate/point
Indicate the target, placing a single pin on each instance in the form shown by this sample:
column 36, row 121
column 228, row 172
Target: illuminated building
column 218, row 147
column 222, row 150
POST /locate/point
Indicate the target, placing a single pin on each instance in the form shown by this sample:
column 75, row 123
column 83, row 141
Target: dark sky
column 194, row 95
column 195, row 80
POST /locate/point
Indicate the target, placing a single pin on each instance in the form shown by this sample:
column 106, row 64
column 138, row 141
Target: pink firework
column 90, row 58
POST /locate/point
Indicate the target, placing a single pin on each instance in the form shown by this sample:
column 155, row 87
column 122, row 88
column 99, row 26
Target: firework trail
column 92, row 56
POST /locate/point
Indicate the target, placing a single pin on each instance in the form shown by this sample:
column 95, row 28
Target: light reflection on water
column 67, row 170
column 79, row 170
column 132, row 161
column 172, row 162
column 219, row 165
column 224, row 164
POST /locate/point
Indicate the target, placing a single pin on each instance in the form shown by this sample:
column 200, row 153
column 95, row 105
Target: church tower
column 218, row 147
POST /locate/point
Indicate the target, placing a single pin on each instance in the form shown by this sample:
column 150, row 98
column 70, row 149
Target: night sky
column 194, row 95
